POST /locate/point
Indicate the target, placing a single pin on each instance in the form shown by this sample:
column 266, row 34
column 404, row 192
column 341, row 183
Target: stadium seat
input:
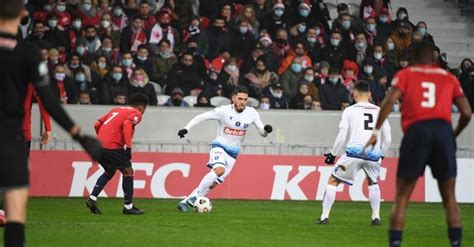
column 191, row 100
column 157, row 87
column 253, row 102
column 162, row 99
column 219, row 101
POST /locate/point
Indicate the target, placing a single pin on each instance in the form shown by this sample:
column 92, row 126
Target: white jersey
column 355, row 129
column 232, row 126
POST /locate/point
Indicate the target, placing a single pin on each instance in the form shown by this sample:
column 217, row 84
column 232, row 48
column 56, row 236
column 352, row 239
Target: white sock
column 128, row 206
column 206, row 182
column 374, row 198
column 93, row 198
column 204, row 192
column 328, row 200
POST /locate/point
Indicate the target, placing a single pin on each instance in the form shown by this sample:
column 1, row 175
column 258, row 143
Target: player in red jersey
column 427, row 94
column 115, row 131
column 30, row 96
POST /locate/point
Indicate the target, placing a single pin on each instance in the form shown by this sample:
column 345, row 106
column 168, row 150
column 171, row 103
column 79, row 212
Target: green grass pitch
column 67, row 222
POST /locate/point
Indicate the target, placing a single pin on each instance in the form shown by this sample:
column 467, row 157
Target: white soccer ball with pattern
column 202, row 205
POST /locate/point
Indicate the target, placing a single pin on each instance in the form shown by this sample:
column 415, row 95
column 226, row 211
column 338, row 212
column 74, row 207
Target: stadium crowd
column 289, row 53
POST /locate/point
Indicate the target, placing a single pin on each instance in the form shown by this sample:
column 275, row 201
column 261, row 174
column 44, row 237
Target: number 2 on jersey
column 429, row 94
column 114, row 114
column 369, row 119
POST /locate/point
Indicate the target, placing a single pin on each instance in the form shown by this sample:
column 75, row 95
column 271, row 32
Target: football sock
column 128, row 206
column 99, row 185
column 374, row 197
column 455, row 236
column 395, row 238
column 206, row 182
column 329, row 197
column 194, row 193
column 127, row 187
column 14, row 234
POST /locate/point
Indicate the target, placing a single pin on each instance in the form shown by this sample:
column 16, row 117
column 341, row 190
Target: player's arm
column 98, row 124
column 341, row 138
column 40, row 79
column 46, row 137
column 263, row 130
column 210, row 115
column 393, row 95
column 465, row 112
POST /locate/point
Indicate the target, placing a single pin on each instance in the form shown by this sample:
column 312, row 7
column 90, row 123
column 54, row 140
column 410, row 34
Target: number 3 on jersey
column 429, row 94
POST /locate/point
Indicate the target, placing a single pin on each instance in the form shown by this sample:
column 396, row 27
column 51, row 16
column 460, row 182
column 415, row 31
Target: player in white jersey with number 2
column 356, row 125
column 233, row 122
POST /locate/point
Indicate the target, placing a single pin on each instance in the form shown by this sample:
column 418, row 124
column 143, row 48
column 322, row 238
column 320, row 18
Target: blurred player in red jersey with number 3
column 427, row 93
column 115, row 131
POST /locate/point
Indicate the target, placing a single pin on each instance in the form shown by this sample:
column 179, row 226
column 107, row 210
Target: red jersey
column 112, row 128
column 428, row 92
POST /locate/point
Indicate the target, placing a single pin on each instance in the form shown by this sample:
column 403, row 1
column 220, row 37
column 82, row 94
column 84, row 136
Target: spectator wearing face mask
column 367, row 72
column 63, row 86
column 275, row 94
column 203, row 101
column 422, row 29
column 55, row 36
column 323, row 73
column 334, row 52
column 195, row 32
column 384, row 24
column 390, row 52
column 75, row 31
column 360, row 49
column 81, row 50
column 402, row 16
column 114, row 82
column 277, row 19
column 291, row 77
column 381, row 63
column 127, row 64
column 142, row 60
column 74, row 64
column 259, row 78
column 402, row 38
column 345, row 20
column 92, row 41
column 264, row 103
column 176, row 99
column 62, row 14
column 162, row 62
column 139, row 83
column 229, row 77
column 299, row 52
column 119, row 19
column 243, row 41
column 313, row 45
column 333, row 94
column 280, row 46
column 248, row 14
column 99, row 68
column 106, row 29
column 304, row 13
column 82, row 84
column 378, row 87
column 310, row 79
column 297, row 32
column 347, row 29
column 184, row 75
column 219, row 37
column 370, row 31
column 163, row 30
column 88, row 13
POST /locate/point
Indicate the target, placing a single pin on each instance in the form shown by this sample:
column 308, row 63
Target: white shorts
column 346, row 169
column 219, row 158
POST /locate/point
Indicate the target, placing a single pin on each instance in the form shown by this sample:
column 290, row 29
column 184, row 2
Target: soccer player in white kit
column 233, row 122
column 357, row 125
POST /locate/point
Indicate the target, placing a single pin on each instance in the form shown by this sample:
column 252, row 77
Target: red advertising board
column 174, row 175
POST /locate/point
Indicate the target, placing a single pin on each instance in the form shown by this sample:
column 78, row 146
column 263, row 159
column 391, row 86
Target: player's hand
column 46, row 137
column 182, row 133
column 90, row 144
column 329, row 158
column 268, row 128
column 128, row 152
column 372, row 141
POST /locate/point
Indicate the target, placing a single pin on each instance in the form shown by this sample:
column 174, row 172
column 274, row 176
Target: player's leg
column 344, row 171
column 127, row 186
column 453, row 212
column 102, row 181
column 397, row 218
column 15, row 207
column 372, row 171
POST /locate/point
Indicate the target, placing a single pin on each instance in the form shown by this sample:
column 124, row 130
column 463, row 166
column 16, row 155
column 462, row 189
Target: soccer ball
column 202, row 205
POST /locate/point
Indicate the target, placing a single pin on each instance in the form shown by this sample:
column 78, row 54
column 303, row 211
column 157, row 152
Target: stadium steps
column 453, row 33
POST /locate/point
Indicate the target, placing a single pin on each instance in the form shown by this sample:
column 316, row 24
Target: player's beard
column 239, row 109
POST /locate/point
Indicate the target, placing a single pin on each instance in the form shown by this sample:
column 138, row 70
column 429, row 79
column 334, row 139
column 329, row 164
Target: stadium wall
column 254, row 177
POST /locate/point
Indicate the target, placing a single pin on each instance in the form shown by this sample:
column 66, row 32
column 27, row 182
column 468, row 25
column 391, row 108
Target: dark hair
column 240, row 89
column 334, row 70
column 138, row 99
column 11, row 9
column 423, row 51
column 362, row 86
column 164, row 41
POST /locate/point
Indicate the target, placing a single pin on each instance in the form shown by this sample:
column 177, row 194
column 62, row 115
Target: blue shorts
column 432, row 143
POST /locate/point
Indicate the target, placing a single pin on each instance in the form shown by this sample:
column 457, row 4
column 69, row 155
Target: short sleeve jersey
column 111, row 132
column 428, row 93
